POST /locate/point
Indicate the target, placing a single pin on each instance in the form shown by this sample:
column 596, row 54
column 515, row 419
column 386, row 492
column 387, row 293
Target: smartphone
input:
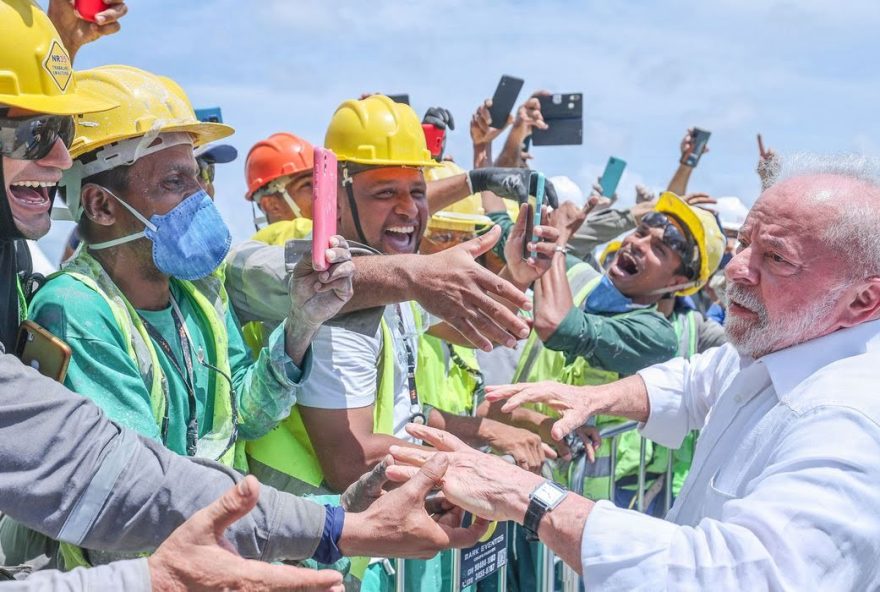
column 399, row 98
column 539, row 204
column 434, row 136
column 89, row 9
column 530, row 228
column 504, row 100
column 42, row 351
column 699, row 139
column 323, row 205
column 611, row 177
column 564, row 115
column 562, row 106
column 210, row 115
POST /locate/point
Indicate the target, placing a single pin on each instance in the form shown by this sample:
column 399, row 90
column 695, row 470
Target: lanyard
column 192, row 423
column 479, row 391
column 415, row 408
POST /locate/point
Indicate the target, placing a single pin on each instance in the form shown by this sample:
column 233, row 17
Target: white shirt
column 784, row 490
column 345, row 367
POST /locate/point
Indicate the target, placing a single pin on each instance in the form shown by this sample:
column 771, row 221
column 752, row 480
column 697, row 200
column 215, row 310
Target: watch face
column 548, row 495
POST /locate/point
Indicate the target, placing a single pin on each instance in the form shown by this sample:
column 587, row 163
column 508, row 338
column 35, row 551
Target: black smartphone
column 504, row 99
column 530, row 228
column 562, row 106
column 399, row 98
column 561, row 132
column 699, row 139
column 564, row 115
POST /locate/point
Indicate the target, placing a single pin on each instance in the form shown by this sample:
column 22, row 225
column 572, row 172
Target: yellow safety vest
column 441, row 382
column 210, row 300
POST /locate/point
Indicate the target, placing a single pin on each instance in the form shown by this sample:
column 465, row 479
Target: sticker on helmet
column 57, row 64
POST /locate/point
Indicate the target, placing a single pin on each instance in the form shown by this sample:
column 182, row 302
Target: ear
column 677, row 280
column 864, row 304
column 98, row 205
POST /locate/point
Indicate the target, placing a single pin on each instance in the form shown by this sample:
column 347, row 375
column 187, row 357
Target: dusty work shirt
column 102, row 370
column 785, row 485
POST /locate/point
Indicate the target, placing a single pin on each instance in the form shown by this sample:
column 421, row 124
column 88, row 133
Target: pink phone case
column 323, row 205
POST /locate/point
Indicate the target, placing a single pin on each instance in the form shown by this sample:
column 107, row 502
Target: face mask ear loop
column 124, row 239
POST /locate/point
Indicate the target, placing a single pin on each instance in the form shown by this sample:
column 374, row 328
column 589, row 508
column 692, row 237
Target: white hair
column 856, row 229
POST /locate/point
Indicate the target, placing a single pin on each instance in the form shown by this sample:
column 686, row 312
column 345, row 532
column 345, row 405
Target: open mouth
column 400, row 239
column 31, row 196
column 625, row 265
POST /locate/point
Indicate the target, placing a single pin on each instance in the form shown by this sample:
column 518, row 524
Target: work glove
column 439, row 117
column 361, row 494
column 512, row 184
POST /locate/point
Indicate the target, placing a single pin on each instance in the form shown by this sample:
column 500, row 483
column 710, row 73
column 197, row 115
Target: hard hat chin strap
column 352, row 204
column 673, row 289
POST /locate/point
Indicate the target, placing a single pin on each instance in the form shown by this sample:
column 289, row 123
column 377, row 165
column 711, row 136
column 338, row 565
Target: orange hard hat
column 278, row 155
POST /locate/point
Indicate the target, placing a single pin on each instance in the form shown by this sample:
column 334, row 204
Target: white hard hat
column 568, row 190
column 732, row 212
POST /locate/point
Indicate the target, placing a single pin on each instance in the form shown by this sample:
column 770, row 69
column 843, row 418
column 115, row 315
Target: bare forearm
column 625, row 398
column 482, row 155
column 679, row 182
column 344, row 466
column 381, row 280
column 445, row 192
column 521, row 417
column 510, row 154
column 466, row 428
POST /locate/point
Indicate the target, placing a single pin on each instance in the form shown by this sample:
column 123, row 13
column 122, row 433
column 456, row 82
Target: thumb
column 482, row 244
column 232, row 505
column 568, row 423
column 428, row 477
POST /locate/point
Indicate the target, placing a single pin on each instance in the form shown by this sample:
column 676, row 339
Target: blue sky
column 801, row 72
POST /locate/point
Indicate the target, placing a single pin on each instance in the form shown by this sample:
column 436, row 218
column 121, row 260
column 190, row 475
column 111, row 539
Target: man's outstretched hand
column 398, row 525
column 197, row 557
column 451, row 285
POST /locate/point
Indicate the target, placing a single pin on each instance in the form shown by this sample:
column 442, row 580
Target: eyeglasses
column 32, row 138
column 206, row 170
column 673, row 238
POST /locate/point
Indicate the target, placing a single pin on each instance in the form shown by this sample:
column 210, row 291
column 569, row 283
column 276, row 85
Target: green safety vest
column 538, row 363
column 441, row 382
column 210, row 300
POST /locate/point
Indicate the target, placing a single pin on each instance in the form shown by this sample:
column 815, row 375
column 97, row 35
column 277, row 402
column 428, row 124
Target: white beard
column 764, row 336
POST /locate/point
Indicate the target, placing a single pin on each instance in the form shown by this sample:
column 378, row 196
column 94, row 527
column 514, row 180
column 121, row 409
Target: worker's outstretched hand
column 197, row 557
column 76, row 31
column 318, row 296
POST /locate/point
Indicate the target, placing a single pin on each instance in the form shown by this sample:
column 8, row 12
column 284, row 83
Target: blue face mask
column 605, row 298
column 189, row 242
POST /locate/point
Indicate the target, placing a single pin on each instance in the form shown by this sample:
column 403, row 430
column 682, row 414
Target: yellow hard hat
column 609, row 250
column 705, row 231
column 35, row 69
column 147, row 104
column 377, row 131
column 465, row 215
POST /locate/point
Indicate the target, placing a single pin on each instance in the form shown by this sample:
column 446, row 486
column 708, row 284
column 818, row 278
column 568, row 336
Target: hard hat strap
column 352, row 204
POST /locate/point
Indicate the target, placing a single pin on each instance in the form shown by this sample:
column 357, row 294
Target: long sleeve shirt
column 69, row 473
column 785, row 484
column 102, row 370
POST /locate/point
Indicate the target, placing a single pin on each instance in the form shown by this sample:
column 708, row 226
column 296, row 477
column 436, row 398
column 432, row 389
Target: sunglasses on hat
column 32, row 138
column 673, row 237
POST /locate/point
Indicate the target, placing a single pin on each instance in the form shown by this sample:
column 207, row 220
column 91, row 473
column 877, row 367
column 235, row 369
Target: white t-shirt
column 345, row 366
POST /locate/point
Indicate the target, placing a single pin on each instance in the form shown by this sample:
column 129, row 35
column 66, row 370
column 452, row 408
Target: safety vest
column 256, row 334
column 210, row 301
column 441, row 381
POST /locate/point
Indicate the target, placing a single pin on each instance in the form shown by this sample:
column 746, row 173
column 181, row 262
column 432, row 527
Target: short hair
column 856, row 231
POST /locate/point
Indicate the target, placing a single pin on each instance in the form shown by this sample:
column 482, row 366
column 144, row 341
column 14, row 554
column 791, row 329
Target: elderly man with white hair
column 785, row 486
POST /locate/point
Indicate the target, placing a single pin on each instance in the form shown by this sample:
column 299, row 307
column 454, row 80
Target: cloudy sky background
column 801, row 72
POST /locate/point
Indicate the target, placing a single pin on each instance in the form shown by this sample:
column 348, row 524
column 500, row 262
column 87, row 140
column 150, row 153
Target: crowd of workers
column 443, row 363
